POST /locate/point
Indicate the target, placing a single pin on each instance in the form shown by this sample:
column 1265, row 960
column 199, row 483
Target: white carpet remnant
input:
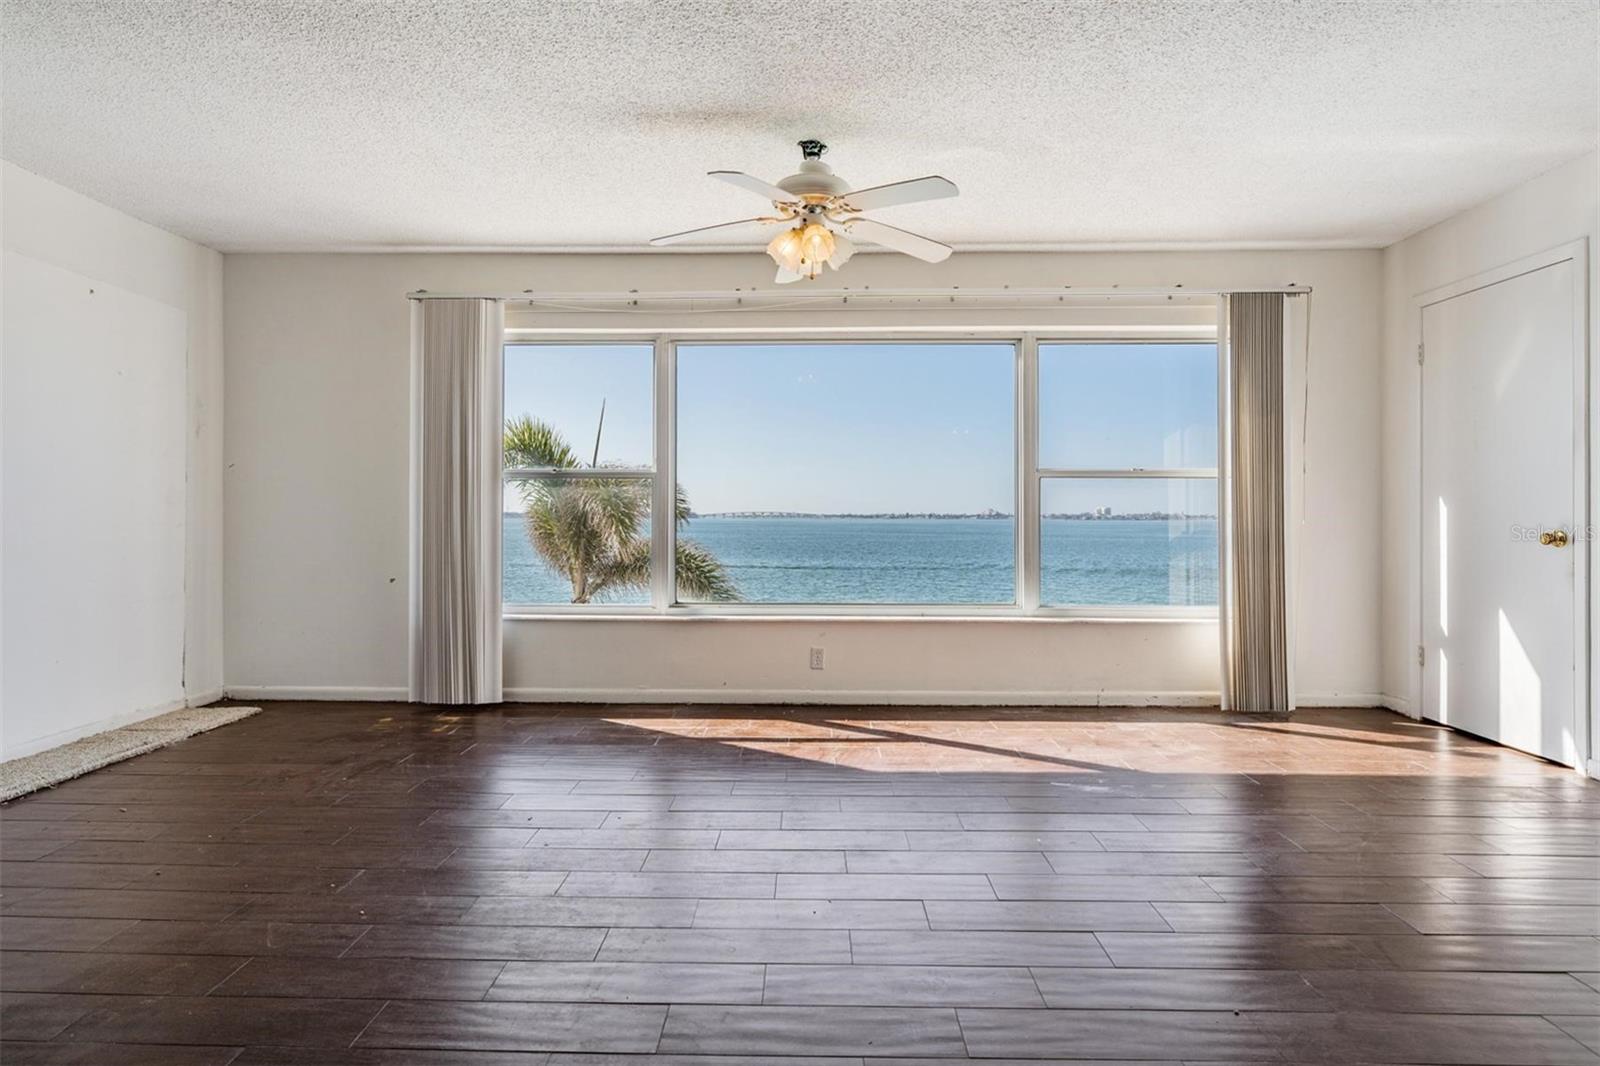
column 33, row 772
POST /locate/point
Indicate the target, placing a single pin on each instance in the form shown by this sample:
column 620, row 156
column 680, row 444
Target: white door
column 1501, row 397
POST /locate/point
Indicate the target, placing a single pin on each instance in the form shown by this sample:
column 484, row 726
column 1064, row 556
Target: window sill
column 1199, row 616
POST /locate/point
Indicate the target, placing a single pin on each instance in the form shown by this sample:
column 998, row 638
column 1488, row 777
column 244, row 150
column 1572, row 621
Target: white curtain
column 455, row 500
column 1255, row 615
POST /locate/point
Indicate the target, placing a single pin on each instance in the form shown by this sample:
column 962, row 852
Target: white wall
column 1551, row 210
column 112, row 532
column 316, row 489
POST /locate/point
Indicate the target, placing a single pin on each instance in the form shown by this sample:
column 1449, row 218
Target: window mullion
column 663, row 517
column 1028, row 474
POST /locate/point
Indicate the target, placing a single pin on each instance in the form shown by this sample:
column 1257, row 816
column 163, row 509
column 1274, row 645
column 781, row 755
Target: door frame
column 1577, row 253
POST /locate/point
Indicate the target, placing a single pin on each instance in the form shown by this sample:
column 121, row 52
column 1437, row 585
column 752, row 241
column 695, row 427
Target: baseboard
column 880, row 697
column 99, row 725
column 1399, row 705
column 1338, row 699
column 826, row 697
column 339, row 693
column 205, row 696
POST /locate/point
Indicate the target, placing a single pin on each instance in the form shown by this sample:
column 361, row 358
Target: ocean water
column 924, row 560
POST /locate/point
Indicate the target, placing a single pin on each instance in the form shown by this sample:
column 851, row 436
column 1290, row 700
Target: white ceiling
column 298, row 124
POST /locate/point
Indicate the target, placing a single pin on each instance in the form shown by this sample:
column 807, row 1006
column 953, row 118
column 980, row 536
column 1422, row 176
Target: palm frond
column 627, row 568
column 530, row 442
column 702, row 576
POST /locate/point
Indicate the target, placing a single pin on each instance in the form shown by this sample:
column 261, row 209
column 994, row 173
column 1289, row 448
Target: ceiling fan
column 820, row 213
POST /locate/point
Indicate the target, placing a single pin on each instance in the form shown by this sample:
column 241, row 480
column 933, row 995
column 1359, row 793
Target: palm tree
column 589, row 529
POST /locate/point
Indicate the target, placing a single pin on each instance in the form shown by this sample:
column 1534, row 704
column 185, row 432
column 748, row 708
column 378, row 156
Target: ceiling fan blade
column 764, row 189
column 929, row 251
column 916, row 190
column 786, row 276
column 732, row 229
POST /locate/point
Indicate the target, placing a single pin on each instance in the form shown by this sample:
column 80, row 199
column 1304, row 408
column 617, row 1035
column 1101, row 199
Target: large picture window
column 853, row 473
column 1001, row 475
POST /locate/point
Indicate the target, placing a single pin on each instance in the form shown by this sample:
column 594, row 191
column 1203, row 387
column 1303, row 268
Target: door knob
column 1554, row 538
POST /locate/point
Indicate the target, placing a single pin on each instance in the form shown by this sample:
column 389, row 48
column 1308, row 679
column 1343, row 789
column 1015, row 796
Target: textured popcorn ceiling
column 282, row 124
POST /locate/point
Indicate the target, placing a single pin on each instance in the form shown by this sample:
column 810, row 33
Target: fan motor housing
column 815, row 178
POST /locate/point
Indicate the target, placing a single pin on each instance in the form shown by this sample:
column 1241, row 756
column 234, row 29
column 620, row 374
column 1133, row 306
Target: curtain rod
column 636, row 295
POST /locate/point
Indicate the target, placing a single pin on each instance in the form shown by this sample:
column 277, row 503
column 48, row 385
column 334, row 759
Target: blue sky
column 855, row 427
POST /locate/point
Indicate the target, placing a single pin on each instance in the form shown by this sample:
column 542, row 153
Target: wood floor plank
column 1515, row 890
column 59, row 934
column 876, row 1031
column 900, row 986
column 741, row 944
column 812, row 840
column 190, row 1020
column 884, row 886
column 1455, row 993
column 596, row 912
column 26, row 1016
column 1186, row 990
column 810, row 914
column 1500, row 1040
column 362, row 978
column 809, row 862
column 897, row 947
column 560, row 860
column 1244, row 951
column 559, row 943
column 114, row 974
column 1103, row 887
column 629, row 982
column 1500, row 918
column 1584, row 1028
column 516, row 1027
column 1276, row 916
column 44, row 874
column 1002, row 840
column 670, row 885
column 74, row 1053
column 1327, row 889
column 1088, row 915
column 1532, row 954
column 1222, row 1036
column 125, row 903
column 1576, row 867
column 937, row 862
column 1149, row 864
column 303, row 939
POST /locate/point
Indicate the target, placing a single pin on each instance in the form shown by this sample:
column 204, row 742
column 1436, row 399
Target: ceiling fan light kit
column 820, row 213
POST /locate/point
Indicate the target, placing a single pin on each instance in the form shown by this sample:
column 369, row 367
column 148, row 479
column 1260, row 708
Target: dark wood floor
column 375, row 884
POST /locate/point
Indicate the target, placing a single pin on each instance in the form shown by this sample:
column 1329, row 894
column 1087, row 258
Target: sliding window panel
column 1127, row 406
column 1128, row 542
column 579, row 452
column 850, row 472
column 581, row 539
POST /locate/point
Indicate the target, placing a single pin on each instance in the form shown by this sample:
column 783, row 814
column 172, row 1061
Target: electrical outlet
column 816, row 658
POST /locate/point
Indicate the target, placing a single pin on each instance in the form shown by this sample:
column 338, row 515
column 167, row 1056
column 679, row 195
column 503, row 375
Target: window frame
column 628, row 473
column 1041, row 474
column 1028, row 475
